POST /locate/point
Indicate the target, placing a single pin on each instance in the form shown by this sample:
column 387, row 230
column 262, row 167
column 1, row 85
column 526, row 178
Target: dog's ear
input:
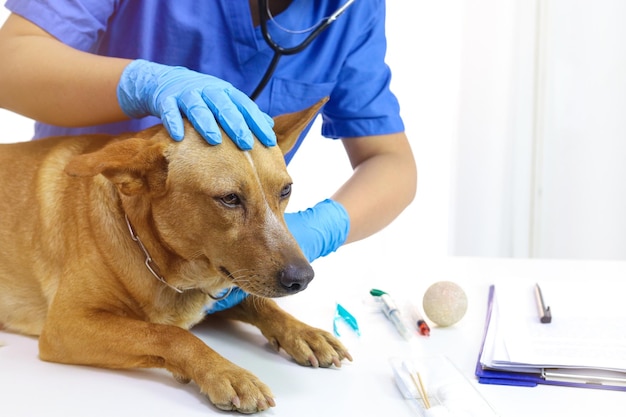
column 133, row 165
column 289, row 126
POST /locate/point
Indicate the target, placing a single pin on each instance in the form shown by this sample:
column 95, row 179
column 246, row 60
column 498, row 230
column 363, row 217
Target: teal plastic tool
column 342, row 314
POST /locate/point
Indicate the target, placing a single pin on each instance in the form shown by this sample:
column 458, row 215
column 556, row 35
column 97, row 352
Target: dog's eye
column 231, row 200
column 286, row 191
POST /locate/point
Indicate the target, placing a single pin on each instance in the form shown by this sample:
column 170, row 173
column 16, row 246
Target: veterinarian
column 84, row 66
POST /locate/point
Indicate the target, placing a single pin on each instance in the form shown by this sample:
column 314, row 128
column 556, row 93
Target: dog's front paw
column 235, row 389
column 310, row 346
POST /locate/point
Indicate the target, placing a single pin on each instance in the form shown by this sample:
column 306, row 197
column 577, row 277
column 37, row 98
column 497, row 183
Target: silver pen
column 545, row 315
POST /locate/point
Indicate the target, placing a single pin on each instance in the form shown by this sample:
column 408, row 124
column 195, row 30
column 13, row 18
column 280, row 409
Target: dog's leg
column 111, row 341
column 307, row 345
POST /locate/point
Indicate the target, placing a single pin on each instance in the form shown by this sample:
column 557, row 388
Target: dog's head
column 211, row 216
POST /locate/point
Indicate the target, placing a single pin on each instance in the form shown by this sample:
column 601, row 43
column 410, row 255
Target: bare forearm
column 45, row 80
column 381, row 187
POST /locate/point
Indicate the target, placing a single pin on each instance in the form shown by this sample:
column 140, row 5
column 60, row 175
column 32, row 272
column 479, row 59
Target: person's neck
column 276, row 7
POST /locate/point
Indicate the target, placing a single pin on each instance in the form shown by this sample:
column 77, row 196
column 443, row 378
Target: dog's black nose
column 295, row 277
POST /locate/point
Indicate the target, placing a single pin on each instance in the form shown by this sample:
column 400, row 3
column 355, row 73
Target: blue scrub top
column 346, row 62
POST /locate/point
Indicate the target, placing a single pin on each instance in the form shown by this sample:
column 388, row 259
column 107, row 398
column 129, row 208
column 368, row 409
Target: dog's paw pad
column 274, row 344
column 182, row 379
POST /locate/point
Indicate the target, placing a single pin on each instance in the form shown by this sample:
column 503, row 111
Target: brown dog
column 112, row 264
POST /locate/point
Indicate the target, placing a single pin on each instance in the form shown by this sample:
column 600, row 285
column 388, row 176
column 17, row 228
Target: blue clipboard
column 528, row 379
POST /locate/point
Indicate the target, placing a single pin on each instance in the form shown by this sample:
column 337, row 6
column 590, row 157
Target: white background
column 515, row 112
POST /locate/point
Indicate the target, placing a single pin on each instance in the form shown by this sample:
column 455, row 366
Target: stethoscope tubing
column 280, row 51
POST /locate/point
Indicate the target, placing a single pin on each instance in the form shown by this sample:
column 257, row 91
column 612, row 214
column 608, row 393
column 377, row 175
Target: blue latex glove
column 319, row 230
column 146, row 88
column 236, row 296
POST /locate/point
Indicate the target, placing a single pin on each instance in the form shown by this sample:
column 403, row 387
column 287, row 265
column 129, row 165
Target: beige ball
column 445, row 303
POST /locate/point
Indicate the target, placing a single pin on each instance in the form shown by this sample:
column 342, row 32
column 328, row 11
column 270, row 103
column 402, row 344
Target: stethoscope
column 279, row 51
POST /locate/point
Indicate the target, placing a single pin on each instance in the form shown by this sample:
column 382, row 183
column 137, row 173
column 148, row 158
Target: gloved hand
column 147, row 88
column 319, row 230
column 236, row 296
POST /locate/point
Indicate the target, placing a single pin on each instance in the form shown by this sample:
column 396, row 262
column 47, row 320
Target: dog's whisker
column 241, row 279
column 196, row 255
column 258, row 302
column 238, row 271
